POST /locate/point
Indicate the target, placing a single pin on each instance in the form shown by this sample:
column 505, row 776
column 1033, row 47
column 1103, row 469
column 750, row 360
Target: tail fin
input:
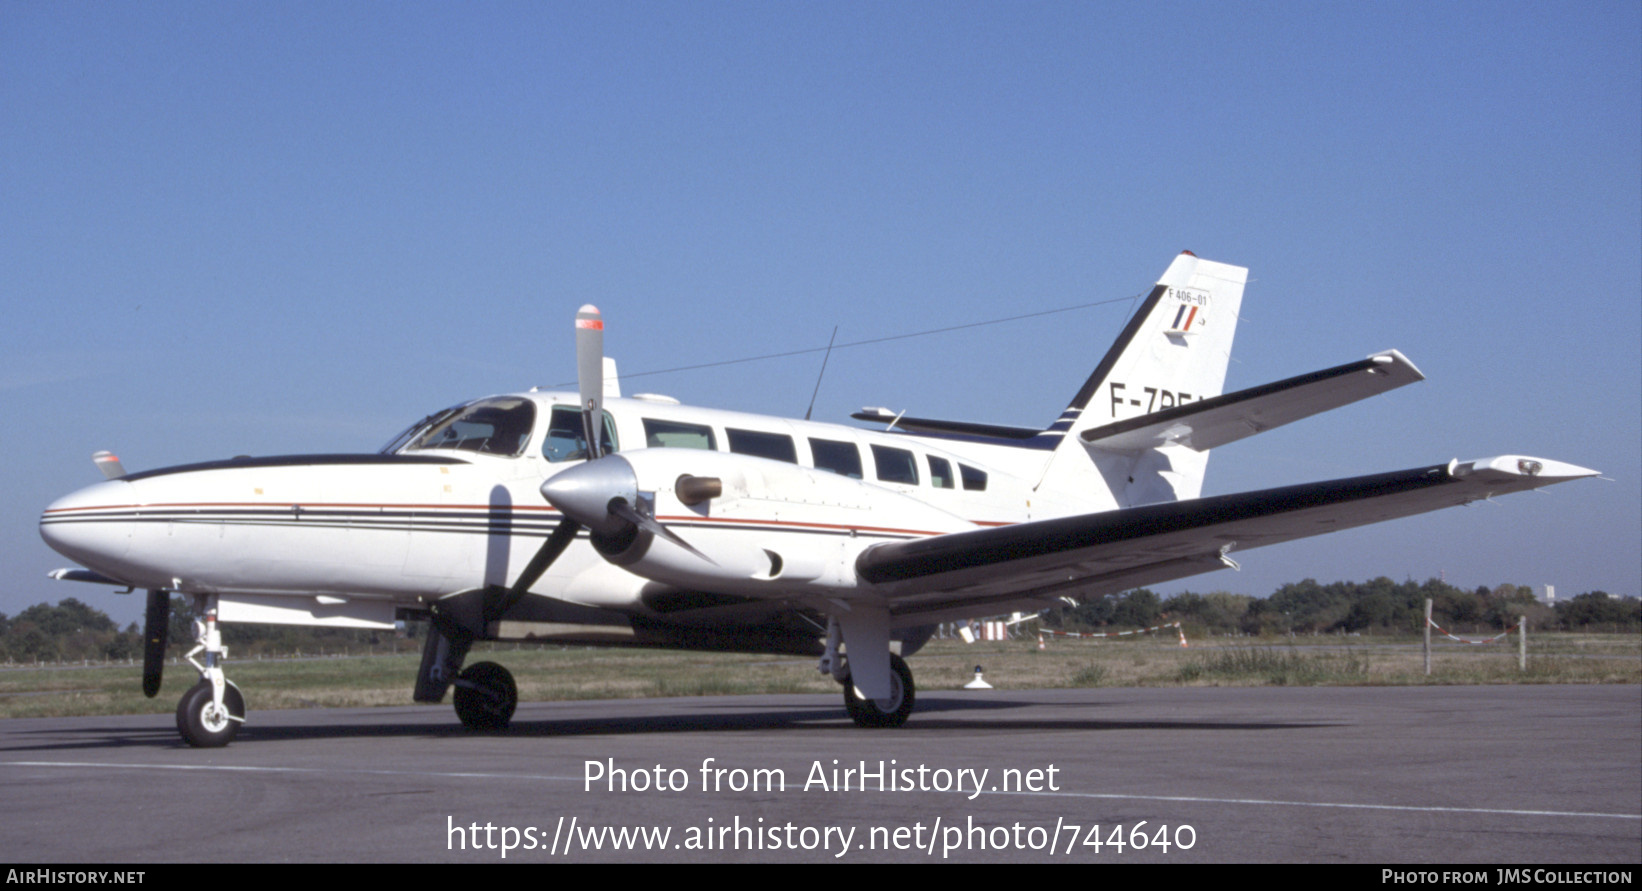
column 1173, row 351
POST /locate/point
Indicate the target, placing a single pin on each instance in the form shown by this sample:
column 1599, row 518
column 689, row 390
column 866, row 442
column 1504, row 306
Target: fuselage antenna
column 824, row 358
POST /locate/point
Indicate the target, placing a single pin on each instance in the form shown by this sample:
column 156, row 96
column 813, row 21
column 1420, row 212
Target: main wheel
column 204, row 725
column 485, row 696
column 891, row 712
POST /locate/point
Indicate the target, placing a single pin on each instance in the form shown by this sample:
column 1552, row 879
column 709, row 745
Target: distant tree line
column 72, row 631
column 1380, row 606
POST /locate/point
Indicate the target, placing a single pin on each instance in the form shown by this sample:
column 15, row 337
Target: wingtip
column 1395, row 357
column 1544, row 470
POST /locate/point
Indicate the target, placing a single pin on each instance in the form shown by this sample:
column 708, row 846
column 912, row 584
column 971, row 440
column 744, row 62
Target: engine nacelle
column 735, row 523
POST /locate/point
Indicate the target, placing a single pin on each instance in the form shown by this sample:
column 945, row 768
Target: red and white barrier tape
column 1082, row 634
column 1495, row 639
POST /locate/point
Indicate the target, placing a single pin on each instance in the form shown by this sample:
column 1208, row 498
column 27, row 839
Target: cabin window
column 565, row 440
column 940, row 473
column 498, row 426
column 974, row 480
column 895, row 465
column 842, row 458
column 674, row 435
column 775, row 446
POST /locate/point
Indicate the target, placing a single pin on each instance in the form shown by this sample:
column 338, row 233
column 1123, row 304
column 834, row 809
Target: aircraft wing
column 1031, row 565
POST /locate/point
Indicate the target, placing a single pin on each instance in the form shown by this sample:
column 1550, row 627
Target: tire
column 202, row 726
column 890, row 712
column 487, row 698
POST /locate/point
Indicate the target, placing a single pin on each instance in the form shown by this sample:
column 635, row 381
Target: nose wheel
column 204, row 723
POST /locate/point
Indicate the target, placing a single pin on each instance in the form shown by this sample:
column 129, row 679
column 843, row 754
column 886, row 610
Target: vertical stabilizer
column 1173, row 351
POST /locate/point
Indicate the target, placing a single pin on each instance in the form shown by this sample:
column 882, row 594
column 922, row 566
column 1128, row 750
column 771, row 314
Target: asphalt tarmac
column 1508, row 775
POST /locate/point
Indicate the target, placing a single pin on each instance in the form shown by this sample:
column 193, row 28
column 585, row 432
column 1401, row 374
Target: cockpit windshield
column 500, row 425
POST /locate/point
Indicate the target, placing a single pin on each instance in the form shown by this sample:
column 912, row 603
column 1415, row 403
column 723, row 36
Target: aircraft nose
column 83, row 526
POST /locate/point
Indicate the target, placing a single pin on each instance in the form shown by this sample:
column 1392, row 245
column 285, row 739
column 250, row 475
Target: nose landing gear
column 212, row 710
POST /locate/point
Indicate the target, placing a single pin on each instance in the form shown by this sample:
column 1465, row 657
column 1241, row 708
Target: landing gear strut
column 890, row 711
column 485, row 693
column 211, row 711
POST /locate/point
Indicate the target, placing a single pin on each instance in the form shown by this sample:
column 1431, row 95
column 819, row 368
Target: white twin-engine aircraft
column 591, row 519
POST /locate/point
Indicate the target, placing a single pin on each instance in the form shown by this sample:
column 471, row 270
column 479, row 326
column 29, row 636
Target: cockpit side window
column 940, row 472
column 974, row 480
column 498, row 426
column 565, row 440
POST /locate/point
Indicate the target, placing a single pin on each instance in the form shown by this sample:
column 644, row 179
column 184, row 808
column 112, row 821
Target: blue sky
column 287, row 227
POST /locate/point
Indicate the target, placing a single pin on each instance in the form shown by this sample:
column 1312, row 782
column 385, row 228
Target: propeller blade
column 499, row 600
column 156, row 626
column 590, row 388
column 590, row 376
column 550, row 551
column 620, row 508
column 109, row 464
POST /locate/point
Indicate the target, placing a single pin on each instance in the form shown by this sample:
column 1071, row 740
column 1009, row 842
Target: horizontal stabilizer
column 944, row 428
column 1212, row 422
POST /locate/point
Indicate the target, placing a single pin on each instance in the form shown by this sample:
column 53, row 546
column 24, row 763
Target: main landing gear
column 888, row 711
column 485, row 692
column 485, row 696
column 891, row 711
